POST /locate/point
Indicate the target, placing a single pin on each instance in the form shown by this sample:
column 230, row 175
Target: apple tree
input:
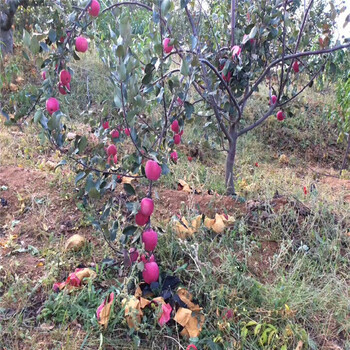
column 171, row 64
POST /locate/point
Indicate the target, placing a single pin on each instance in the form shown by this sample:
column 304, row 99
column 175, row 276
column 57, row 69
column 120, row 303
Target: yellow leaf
column 19, row 80
column 193, row 327
column 133, row 313
column 208, row 223
column 219, row 224
column 85, row 273
column 128, row 180
column 13, row 87
column 75, row 242
column 182, row 316
column 184, row 186
column 105, row 312
column 196, row 222
column 228, row 220
column 144, row 302
column 186, row 297
column 182, row 229
column 283, row 159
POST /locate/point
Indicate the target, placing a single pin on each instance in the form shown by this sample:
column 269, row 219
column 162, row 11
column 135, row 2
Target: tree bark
column 345, row 159
column 7, row 14
column 230, row 162
column 6, row 41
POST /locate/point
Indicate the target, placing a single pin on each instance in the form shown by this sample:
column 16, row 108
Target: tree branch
column 233, row 21
column 297, row 94
column 289, row 57
column 232, row 98
column 258, row 122
column 211, row 99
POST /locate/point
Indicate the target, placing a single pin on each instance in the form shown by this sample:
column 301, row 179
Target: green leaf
column 94, row 193
column 129, row 230
column 122, row 71
column 26, row 38
column 61, row 163
column 118, row 98
column 332, row 68
column 165, row 169
column 185, row 68
column 166, row 5
column 120, row 51
column 34, row 45
column 37, row 116
column 194, row 42
column 189, row 109
column 52, row 35
column 80, row 176
column 82, row 144
column 129, row 189
column 75, row 56
column 125, row 29
column 184, row 3
column 25, row 55
column 147, row 79
column 253, row 32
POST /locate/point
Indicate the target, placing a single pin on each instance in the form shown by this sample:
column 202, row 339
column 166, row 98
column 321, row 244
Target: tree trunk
column 230, row 162
column 6, row 41
column 8, row 9
column 345, row 159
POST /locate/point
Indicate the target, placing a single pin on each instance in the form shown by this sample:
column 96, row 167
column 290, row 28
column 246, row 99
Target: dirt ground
column 32, row 206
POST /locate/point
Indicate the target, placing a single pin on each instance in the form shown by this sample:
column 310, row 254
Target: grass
column 284, row 275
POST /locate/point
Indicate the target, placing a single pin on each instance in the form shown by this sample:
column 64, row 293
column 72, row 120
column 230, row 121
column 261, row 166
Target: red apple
column 63, row 89
column 115, row 134
column 177, row 139
column 150, row 240
column 65, row 77
column 134, row 254
column 167, row 48
column 175, row 126
column 179, row 101
column 273, row 99
column 81, row 44
column 236, row 51
column 189, row 159
column 43, row 74
column 227, row 77
column 174, row 156
column 296, row 67
column 127, row 131
column 280, row 116
column 147, row 207
column 153, row 170
column 94, row 8
column 112, row 160
column 191, row 347
column 151, row 272
column 105, row 125
column 111, row 150
column 140, row 219
column 52, row 105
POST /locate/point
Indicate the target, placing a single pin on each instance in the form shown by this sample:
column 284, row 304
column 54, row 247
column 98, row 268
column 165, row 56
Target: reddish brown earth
column 338, row 186
column 29, row 223
column 33, row 211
